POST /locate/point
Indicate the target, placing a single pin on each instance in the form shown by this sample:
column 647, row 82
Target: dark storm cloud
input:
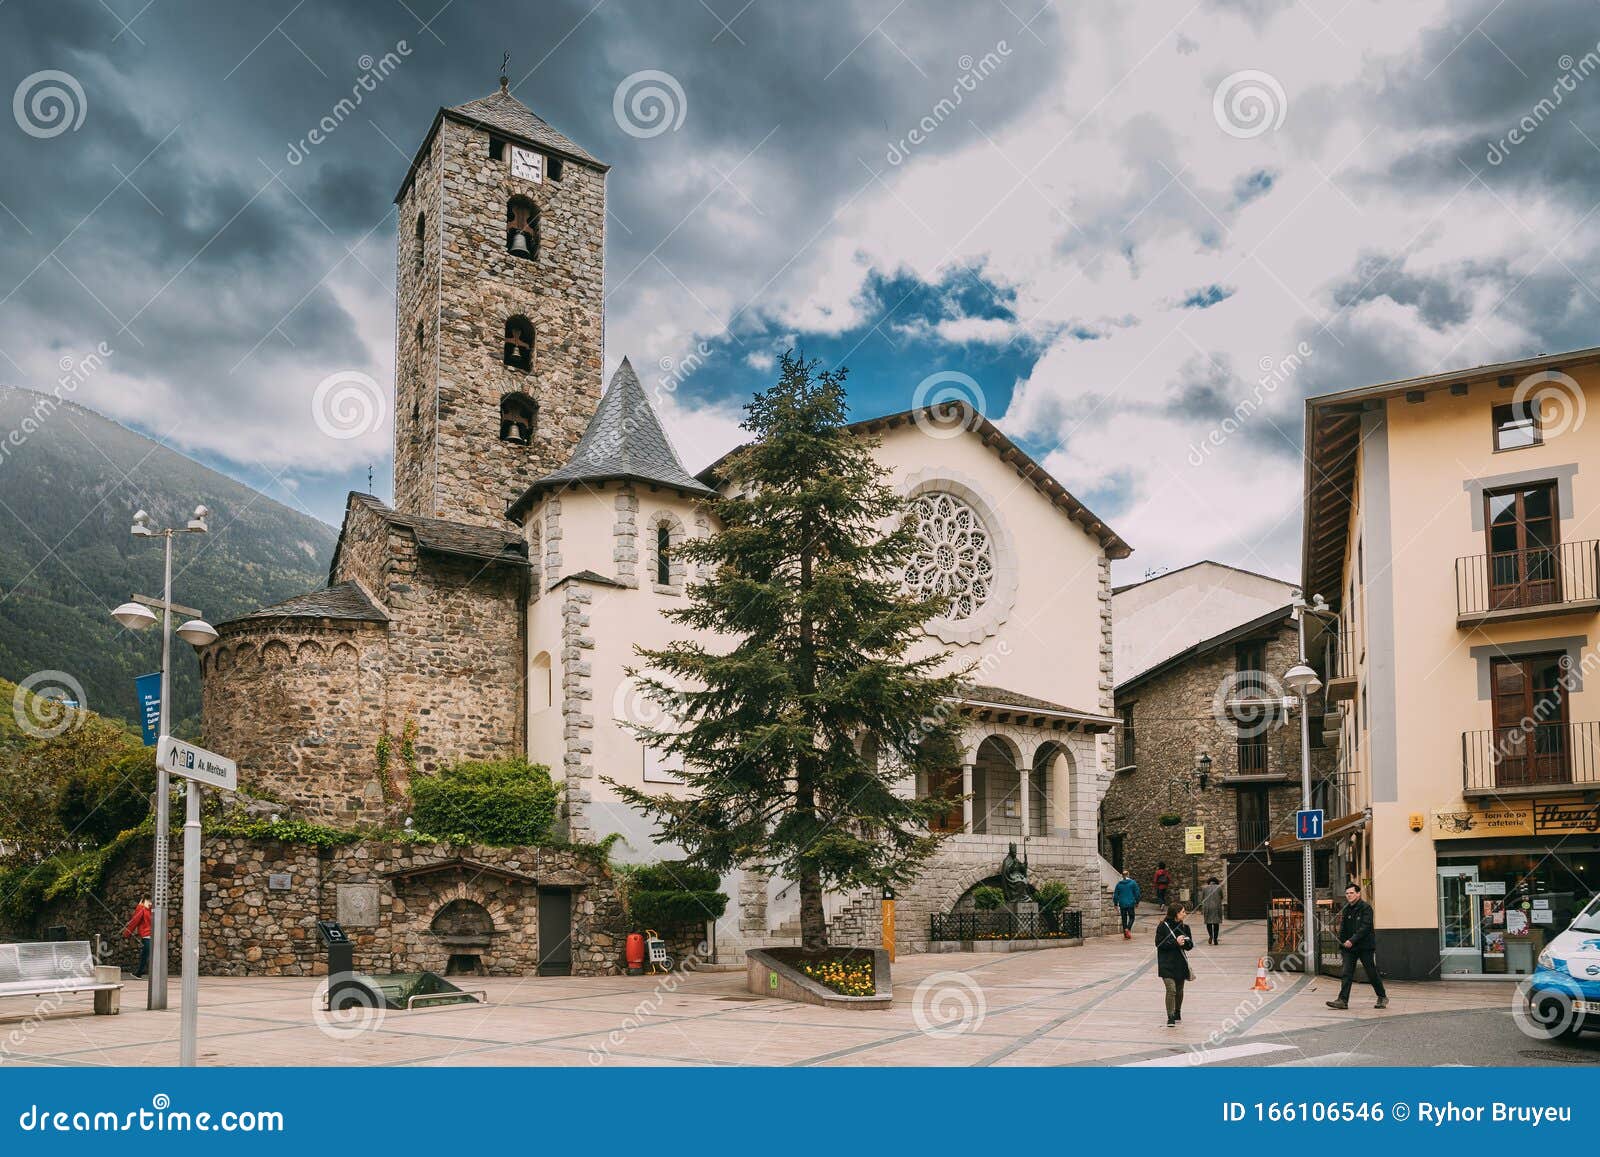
column 1441, row 299
column 191, row 211
column 1506, row 92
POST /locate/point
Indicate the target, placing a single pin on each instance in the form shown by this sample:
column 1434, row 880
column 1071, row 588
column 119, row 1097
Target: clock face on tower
column 526, row 164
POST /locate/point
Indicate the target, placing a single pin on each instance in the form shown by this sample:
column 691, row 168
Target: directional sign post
column 196, row 763
column 198, row 766
column 1308, row 824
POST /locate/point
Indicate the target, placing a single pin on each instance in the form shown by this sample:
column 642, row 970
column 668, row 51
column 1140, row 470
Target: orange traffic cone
column 1262, row 984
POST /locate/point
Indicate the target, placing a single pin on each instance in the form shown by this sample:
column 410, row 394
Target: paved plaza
column 1096, row 1004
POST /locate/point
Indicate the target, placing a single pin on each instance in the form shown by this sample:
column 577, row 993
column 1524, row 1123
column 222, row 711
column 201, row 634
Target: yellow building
column 1451, row 522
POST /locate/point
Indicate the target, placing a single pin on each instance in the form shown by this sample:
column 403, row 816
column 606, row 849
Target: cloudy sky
column 1113, row 223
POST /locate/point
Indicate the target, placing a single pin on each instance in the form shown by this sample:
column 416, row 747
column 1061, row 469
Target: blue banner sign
column 148, row 688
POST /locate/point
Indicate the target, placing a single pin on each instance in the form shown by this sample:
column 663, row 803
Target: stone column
column 1025, row 785
column 966, row 802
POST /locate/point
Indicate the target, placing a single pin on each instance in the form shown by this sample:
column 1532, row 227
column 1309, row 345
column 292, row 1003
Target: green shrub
column 671, row 893
column 987, row 898
column 1052, row 895
column 284, row 831
column 95, row 803
column 502, row 801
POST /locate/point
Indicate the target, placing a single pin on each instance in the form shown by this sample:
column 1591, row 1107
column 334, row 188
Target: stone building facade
column 261, row 901
column 1176, row 712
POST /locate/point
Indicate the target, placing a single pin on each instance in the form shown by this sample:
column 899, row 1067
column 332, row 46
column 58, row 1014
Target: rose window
column 954, row 557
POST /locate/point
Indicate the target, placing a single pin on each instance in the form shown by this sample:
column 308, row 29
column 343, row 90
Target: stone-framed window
column 421, row 237
column 664, row 533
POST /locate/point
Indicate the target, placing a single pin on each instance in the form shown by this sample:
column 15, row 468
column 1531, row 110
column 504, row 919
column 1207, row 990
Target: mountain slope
column 70, row 481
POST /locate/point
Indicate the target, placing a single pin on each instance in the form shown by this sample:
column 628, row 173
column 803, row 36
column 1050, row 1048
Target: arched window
column 518, row 412
column 416, row 250
column 663, row 554
column 519, row 343
column 522, row 228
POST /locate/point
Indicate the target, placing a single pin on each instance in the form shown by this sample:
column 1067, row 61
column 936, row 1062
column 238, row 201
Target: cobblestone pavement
column 1096, row 1004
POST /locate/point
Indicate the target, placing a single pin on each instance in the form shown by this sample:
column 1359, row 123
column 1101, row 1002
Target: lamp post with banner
column 136, row 616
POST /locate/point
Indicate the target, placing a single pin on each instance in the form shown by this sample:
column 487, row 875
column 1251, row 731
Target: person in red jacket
column 1162, row 881
column 139, row 925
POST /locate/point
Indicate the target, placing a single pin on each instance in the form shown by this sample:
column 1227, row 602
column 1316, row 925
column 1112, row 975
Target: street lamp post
column 1202, row 765
column 1303, row 682
column 137, row 615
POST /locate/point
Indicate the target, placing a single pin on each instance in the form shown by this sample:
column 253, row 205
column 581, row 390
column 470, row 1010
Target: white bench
column 42, row 969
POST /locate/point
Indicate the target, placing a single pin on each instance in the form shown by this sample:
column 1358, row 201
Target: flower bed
column 849, row 974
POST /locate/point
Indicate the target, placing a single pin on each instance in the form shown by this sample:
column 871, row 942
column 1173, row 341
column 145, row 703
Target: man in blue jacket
column 1126, row 897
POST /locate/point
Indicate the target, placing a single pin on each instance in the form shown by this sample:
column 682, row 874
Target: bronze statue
column 1014, row 877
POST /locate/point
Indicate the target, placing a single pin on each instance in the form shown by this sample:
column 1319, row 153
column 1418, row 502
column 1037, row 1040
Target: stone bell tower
column 498, row 309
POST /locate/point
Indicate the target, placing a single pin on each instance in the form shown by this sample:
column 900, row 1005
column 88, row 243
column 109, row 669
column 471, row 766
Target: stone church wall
column 299, row 704
column 456, row 656
column 252, row 928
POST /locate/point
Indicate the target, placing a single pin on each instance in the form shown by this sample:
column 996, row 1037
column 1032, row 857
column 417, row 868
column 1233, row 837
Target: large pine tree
column 800, row 696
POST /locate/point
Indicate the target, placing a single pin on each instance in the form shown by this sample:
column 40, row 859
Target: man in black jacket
column 1357, row 941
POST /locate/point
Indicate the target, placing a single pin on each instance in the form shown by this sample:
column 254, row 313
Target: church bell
column 519, row 245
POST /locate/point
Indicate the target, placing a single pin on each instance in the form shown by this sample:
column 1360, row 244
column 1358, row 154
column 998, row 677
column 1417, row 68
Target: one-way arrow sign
column 193, row 762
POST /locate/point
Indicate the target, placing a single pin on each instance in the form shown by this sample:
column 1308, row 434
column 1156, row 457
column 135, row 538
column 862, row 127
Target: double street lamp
column 1303, row 683
column 136, row 616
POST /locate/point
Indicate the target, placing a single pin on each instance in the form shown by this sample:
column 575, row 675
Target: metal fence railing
column 1003, row 924
column 1531, row 755
column 1541, row 576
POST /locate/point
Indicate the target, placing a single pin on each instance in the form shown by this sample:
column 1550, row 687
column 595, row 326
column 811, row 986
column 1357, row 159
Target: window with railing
column 1254, row 818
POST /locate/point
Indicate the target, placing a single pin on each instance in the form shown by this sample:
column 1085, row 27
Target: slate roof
column 346, row 601
column 624, row 441
column 987, row 694
column 459, row 538
column 504, row 112
column 982, row 696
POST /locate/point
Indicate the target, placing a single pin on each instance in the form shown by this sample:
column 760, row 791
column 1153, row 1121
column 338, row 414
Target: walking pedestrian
column 1173, row 941
column 1211, row 909
column 139, row 925
column 1126, row 897
column 1163, row 881
column 1358, row 942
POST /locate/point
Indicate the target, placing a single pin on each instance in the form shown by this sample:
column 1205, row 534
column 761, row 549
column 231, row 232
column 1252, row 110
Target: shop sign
column 1517, row 817
column 1486, row 887
column 1559, row 817
column 1476, row 821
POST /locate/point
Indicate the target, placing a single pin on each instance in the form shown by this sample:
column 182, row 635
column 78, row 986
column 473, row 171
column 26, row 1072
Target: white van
column 1564, row 991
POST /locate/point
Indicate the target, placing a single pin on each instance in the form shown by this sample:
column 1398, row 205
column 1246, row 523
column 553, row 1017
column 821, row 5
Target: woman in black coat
column 1173, row 940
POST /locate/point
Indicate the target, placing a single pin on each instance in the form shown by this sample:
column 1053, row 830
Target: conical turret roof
column 624, row 441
